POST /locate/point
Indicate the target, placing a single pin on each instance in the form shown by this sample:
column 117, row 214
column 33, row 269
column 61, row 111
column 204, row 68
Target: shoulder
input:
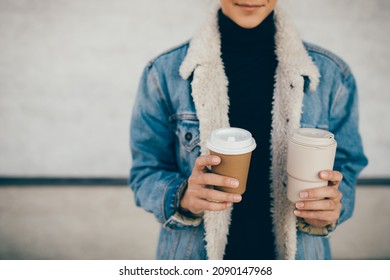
column 174, row 55
column 327, row 60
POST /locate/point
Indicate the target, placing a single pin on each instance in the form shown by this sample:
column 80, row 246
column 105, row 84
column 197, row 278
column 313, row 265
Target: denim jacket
column 169, row 127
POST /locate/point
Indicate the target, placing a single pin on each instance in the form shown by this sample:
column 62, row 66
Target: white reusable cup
column 310, row 151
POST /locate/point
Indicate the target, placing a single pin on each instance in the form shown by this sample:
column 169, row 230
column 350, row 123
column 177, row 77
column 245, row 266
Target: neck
column 237, row 38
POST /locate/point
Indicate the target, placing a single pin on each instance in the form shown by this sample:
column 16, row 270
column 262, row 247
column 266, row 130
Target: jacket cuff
column 182, row 219
column 312, row 230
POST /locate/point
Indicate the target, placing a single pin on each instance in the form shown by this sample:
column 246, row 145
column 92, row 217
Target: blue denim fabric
column 164, row 145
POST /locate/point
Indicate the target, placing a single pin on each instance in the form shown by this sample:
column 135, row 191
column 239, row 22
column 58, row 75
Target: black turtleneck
column 250, row 63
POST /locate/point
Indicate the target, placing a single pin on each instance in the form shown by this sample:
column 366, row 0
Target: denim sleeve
column 350, row 158
column 154, row 175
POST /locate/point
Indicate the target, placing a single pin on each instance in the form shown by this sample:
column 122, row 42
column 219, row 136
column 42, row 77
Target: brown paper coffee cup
column 234, row 146
column 235, row 166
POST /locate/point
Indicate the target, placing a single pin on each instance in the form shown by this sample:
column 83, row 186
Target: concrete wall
column 69, row 71
column 103, row 223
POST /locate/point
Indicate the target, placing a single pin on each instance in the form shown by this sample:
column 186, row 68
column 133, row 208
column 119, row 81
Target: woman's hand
column 324, row 205
column 198, row 197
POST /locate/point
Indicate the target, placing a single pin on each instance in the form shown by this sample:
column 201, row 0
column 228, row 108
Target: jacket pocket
column 182, row 245
column 187, row 131
column 187, row 144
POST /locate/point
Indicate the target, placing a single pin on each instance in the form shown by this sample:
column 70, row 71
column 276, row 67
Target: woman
column 248, row 68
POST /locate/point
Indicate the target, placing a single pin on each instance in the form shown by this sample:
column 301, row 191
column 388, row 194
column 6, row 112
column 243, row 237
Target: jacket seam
column 167, row 52
column 178, row 193
column 165, row 194
column 336, row 97
column 160, row 92
column 320, row 51
column 175, row 247
column 190, row 246
column 183, row 116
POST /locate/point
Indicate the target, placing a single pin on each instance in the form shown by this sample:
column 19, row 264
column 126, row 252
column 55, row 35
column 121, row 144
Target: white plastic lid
column 313, row 137
column 231, row 141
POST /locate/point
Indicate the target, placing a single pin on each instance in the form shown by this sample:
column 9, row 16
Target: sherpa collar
column 205, row 47
column 210, row 94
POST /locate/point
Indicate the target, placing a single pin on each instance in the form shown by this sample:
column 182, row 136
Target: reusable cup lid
column 313, row 137
column 231, row 141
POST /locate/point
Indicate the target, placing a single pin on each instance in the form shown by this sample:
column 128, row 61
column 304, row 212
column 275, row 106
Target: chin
column 248, row 23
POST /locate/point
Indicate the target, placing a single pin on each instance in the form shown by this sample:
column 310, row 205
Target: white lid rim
column 233, row 151
column 241, row 141
column 314, row 137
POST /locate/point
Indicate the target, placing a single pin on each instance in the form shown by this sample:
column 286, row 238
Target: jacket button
column 188, row 136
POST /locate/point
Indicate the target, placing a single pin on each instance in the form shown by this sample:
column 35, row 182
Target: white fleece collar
column 205, row 47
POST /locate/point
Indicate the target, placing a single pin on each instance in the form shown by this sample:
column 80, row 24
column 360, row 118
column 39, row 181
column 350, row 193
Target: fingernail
column 296, row 212
column 229, row 204
column 234, row 183
column 324, row 175
column 300, row 205
column 303, row 195
column 215, row 159
column 237, row 198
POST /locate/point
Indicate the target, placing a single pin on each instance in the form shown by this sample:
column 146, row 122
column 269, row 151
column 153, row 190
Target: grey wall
column 69, row 71
column 103, row 223
column 357, row 31
column 68, row 74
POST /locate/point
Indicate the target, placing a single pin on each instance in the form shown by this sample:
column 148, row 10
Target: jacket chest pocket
column 187, row 148
column 187, row 132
